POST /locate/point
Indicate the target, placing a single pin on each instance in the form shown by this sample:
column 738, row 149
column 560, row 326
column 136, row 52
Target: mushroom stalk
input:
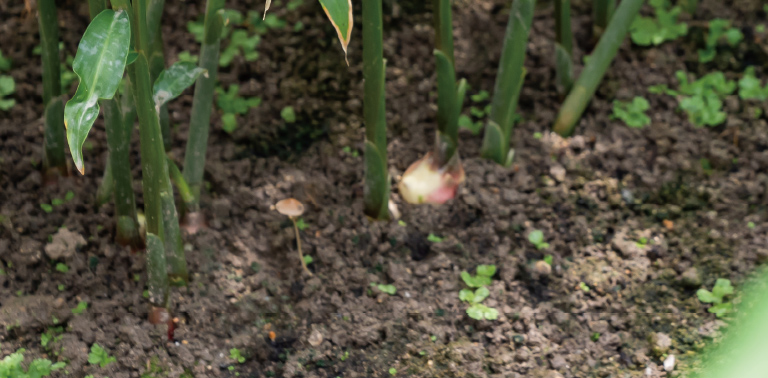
column 298, row 246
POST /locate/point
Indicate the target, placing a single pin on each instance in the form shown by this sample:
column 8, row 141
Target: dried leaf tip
column 290, row 207
column 266, row 8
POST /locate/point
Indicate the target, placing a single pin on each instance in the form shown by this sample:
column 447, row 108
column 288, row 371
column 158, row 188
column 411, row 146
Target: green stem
column 602, row 11
column 446, row 140
column 202, row 102
column 107, row 187
column 119, row 141
column 157, row 61
column 119, row 164
column 54, row 135
column 181, row 184
column 509, row 81
column 376, row 177
column 598, row 64
column 563, row 46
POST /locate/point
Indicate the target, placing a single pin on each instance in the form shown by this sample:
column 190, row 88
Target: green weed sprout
column 293, row 209
column 389, row 289
column 12, row 366
column 477, row 310
column 536, row 237
column 54, row 160
column 750, row 87
column 719, row 28
column 741, row 350
column 7, row 88
column 435, row 178
column 646, row 31
column 509, row 82
column 721, row 289
column 235, row 354
column 595, row 69
column 702, row 99
column 632, row 113
column 232, row 104
column 99, row 356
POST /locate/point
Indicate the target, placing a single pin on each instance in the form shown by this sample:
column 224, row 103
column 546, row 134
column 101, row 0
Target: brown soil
column 594, row 196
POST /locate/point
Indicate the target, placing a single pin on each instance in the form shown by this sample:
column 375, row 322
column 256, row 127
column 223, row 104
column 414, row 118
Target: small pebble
column 669, row 363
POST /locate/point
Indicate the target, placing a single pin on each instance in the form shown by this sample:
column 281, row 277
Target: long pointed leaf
column 174, row 80
column 340, row 14
column 99, row 63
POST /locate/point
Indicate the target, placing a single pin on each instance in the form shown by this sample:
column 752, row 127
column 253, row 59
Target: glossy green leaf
column 486, row 270
column 99, row 63
column 174, row 80
column 340, row 14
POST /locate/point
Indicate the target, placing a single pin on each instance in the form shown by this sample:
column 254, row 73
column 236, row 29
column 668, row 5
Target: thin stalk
column 563, row 46
column 202, row 103
column 119, row 141
column 107, row 187
column 602, row 11
column 376, row 177
column 509, row 81
column 298, row 246
column 54, row 161
column 119, row 164
column 181, row 185
column 593, row 72
column 157, row 61
column 446, row 141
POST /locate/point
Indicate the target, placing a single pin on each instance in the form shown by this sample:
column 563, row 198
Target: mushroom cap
column 290, row 207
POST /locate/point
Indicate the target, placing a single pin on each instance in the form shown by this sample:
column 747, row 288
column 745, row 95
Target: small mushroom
column 293, row 209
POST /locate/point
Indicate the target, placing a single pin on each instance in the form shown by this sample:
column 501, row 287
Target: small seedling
column 46, row 207
column 721, row 289
column 7, row 88
column 235, row 354
column 701, row 99
column 288, row 114
column 51, row 335
column 61, row 267
column 308, row 260
column 473, row 297
column 99, row 356
column 13, row 366
column 301, row 224
column 231, row 104
column 536, row 237
column 646, row 31
column 642, row 242
column 344, row 356
column 480, row 311
column 751, row 225
column 538, row 135
column 401, row 223
column 61, row 287
column 584, row 287
column 632, row 113
column 392, row 371
column 293, row 209
column 69, row 196
column 719, row 28
column 548, row 259
column 5, row 63
column 750, row 87
column 595, row 336
column 434, row 238
column 81, row 306
column 389, row 289
column 483, row 277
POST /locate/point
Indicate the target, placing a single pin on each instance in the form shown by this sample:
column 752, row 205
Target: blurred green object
column 742, row 351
